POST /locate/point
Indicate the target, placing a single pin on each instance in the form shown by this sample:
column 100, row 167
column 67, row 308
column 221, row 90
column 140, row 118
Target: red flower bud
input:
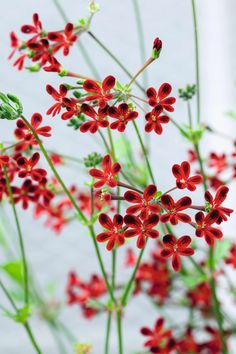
column 157, row 46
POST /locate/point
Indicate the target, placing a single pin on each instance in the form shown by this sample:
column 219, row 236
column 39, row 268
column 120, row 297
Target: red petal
column 167, row 201
column 164, row 90
column 183, row 242
column 108, row 83
column 149, row 192
column 106, row 222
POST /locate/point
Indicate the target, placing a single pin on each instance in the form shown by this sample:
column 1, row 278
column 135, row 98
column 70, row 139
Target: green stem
column 119, row 329
column 108, row 332
column 20, row 236
column 196, row 59
column 144, row 152
column 196, row 147
column 118, row 62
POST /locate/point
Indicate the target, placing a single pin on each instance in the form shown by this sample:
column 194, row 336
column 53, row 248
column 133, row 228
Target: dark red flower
column 141, row 228
column 53, row 65
column 100, row 93
column 22, row 132
column 41, row 51
column 200, row 296
column 27, row 167
column 215, row 203
column 183, row 179
column 218, row 162
column 123, row 114
column 19, row 62
column 107, row 174
column 44, row 193
column 58, row 96
column 155, row 120
column 175, row 248
column 36, row 27
column 15, row 44
column 158, row 337
column 174, row 209
column 231, row 258
column 188, row 343
column 98, row 119
column 63, row 40
column 25, row 194
column 143, row 203
column 115, row 234
column 4, row 160
column 204, row 226
column 157, row 44
column 160, row 98
column 71, row 107
column 3, row 187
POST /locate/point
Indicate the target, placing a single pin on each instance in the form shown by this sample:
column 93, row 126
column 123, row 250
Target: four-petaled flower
column 215, row 203
column 160, row 98
column 100, row 93
column 155, row 120
column 63, row 40
column 36, row 27
column 175, row 248
column 98, row 119
column 183, row 179
column 123, row 114
column 141, row 228
column 58, row 96
column 143, row 203
column 27, row 167
column 173, row 209
column 204, row 226
column 115, row 233
column 108, row 174
column 25, row 194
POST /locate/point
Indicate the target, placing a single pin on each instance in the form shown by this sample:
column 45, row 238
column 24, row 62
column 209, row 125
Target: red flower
column 158, row 337
column 115, row 234
column 192, row 157
column 123, row 114
column 3, row 187
column 27, row 167
column 219, row 162
column 53, row 66
column 157, row 44
column 130, row 258
column 35, row 28
column 141, row 228
column 44, row 193
column 98, row 119
column 155, row 120
column 58, row 96
column 107, row 175
column 201, row 296
column 15, row 44
column 204, row 226
column 215, row 203
column 71, row 107
column 19, row 63
column 231, row 259
column 22, row 132
column 143, row 203
column 175, row 248
column 182, row 173
column 174, row 209
column 41, row 51
column 4, row 160
column 25, row 194
column 100, row 93
column 187, row 344
column 160, row 98
column 63, row 40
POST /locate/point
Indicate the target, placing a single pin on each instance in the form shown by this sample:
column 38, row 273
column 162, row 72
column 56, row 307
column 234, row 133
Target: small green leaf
column 222, row 248
column 21, row 316
column 14, row 270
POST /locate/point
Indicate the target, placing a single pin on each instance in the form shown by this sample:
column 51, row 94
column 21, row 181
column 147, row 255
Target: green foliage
column 221, row 250
column 76, row 121
column 188, row 92
column 10, row 106
column 192, row 280
column 92, row 160
column 193, row 135
column 21, row 316
column 14, row 270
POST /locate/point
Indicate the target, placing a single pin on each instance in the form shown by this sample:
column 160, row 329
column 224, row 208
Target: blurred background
column 52, row 257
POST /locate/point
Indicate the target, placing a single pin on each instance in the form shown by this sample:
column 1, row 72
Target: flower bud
column 157, row 46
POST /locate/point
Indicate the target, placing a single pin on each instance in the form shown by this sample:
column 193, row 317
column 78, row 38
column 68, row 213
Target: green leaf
column 14, row 270
column 21, row 316
column 222, row 248
column 97, row 305
column 192, row 280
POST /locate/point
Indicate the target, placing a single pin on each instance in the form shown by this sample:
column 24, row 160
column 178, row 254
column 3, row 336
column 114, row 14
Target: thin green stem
column 119, row 329
column 196, row 147
column 20, row 236
column 108, row 332
column 118, row 62
column 196, row 59
column 144, row 152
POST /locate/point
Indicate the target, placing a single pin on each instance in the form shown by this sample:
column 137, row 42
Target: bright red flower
column 27, row 167
column 3, row 188
column 192, row 157
column 4, row 160
column 100, row 93
column 215, row 203
column 183, row 179
column 98, row 119
column 231, row 258
column 44, row 193
column 218, row 162
column 36, row 27
column 158, row 337
column 141, row 228
column 115, row 234
column 214, row 344
column 123, row 114
column 15, row 44
column 58, row 96
column 143, row 203
column 204, row 226
column 130, row 258
column 174, row 209
column 188, row 343
column 41, row 51
column 19, row 63
column 71, row 107
column 175, row 248
column 22, row 132
column 155, row 120
column 160, row 98
column 63, row 40
column 25, row 194
column 201, row 296
column 56, row 159
column 107, row 174
column 53, row 65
